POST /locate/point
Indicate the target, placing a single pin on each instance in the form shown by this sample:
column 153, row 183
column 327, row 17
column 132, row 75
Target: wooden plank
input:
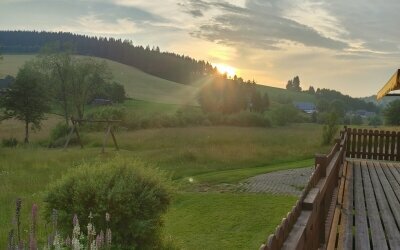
column 359, row 143
column 348, row 145
column 389, row 192
column 376, row 144
column 344, row 213
column 370, row 138
column 296, row 236
column 392, row 232
column 375, row 223
column 393, row 146
column 361, row 229
column 348, row 211
column 398, row 146
column 364, row 144
column 353, row 143
column 387, row 141
column 334, row 232
column 381, row 144
column 392, row 180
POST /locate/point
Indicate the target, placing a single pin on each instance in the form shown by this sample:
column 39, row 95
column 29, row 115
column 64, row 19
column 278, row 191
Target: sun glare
column 223, row 68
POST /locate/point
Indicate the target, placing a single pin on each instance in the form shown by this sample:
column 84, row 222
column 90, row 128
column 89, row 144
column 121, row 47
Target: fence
column 373, row 144
column 307, row 226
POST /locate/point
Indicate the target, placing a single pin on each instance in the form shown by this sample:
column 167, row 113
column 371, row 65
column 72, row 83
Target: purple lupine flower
column 18, row 204
column 32, row 235
column 108, row 237
column 68, row 241
column 11, row 244
column 75, row 220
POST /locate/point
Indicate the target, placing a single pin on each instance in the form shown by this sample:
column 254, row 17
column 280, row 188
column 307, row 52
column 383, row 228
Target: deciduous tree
column 27, row 99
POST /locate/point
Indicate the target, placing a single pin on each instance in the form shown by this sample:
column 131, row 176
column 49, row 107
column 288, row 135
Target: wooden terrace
column 352, row 200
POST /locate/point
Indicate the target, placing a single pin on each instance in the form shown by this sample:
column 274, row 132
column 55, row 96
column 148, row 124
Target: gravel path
column 289, row 182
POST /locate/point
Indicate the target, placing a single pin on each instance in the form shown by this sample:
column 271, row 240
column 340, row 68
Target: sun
column 225, row 69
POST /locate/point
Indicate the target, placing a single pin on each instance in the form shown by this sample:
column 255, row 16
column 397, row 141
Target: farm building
column 307, row 107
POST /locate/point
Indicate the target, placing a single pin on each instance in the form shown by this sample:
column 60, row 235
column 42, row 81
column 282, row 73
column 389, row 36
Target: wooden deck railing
column 308, row 224
column 373, row 144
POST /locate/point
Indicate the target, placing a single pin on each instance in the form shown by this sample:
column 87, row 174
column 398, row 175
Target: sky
column 351, row 46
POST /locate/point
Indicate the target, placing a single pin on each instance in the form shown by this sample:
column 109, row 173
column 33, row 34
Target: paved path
column 289, row 182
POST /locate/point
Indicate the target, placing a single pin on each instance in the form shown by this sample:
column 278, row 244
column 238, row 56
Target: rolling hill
column 138, row 85
column 142, row 86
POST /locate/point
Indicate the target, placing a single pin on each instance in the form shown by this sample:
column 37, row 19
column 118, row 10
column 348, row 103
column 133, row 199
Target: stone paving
column 288, row 182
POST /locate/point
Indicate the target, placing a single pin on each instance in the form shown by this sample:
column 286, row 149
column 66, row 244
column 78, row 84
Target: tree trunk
column 26, row 132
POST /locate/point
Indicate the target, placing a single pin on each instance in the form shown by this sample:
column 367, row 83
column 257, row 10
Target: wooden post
column 105, row 138
column 321, row 160
column 113, row 137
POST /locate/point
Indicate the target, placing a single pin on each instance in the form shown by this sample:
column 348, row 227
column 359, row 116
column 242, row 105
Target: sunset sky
column 352, row 46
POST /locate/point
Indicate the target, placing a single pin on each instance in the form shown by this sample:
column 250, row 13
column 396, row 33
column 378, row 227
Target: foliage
column 228, row 96
column 357, row 120
column 330, row 129
column 59, row 131
column 113, row 91
column 326, row 96
column 375, row 121
column 294, row 85
column 170, row 66
column 135, row 195
column 392, row 113
column 27, row 98
column 80, row 240
column 246, row 118
column 10, row 142
column 77, row 80
column 284, row 114
column 311, row 90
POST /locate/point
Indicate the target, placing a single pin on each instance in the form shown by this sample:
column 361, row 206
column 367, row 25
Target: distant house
column 364, row 113
column 101, row 102
column 307, row 107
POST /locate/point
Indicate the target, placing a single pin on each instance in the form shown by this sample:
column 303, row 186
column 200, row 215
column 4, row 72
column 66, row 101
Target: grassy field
column 142, row 86
column 233, row 221
column 209, row 155
column 138, row 85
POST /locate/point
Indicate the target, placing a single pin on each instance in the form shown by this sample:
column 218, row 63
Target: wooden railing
column 308, row 224
column 373, row 144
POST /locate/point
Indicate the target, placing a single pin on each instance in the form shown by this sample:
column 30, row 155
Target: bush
column 61, row 130
column 246, row 118
column 375, row 121
column 330, row 129
column 392, row 112
column 285, row 114
column 135, row 195
column 10, row 142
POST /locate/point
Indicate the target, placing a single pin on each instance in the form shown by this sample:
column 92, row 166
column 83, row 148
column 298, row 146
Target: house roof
column 392, row 84
column 305, row 105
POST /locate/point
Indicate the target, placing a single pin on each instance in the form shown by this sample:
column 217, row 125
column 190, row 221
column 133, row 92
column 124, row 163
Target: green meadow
column 200, row 160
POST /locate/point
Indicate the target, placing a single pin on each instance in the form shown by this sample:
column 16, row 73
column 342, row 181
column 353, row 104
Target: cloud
column 92, row 24
column 260, row 25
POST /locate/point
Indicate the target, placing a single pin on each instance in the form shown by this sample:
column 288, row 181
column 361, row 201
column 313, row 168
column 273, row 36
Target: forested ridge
column 166, row 65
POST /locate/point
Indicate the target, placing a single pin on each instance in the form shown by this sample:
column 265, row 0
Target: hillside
column 138, row 85
column 142, row 86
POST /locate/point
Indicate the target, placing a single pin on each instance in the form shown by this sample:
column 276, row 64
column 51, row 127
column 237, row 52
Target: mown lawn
column 208, row 155
column 225, row 220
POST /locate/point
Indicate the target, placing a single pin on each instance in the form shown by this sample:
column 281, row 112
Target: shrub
column 246, row 118
column 285, row 114
column 10, row 142
column 59, row 131
column 330, row 129
column 375, row 121
column 392, row 112
column 135, row 195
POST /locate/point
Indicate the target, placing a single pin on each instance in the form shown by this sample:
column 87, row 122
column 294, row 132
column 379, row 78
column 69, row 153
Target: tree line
column 325, row 97
column 166, row 65
column 228, row 96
